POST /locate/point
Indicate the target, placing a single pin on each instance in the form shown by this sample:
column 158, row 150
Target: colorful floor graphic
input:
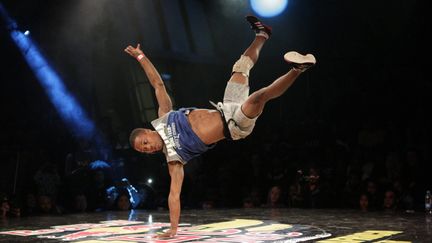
column 238, row 230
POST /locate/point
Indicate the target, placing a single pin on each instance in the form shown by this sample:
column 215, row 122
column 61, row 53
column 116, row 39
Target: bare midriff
column 207, row 125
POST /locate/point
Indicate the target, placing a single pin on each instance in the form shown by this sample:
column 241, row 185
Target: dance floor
column 223, row 225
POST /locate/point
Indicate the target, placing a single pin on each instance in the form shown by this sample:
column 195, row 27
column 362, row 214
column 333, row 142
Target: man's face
column 45, row 204
column 148, row 142
column 389, row 197
column 123, row 203
column 364, row 202
column 274, row 194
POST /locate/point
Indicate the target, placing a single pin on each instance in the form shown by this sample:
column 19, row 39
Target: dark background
column 371, row 75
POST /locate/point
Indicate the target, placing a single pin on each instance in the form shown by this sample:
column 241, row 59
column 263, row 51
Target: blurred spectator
column 47, row 180
column 405, row 199
column 46, row 205
column 79, row 203
column 4, row 208
column 248, row 203
column 274, row 198
column 30, row 204
column 208, row 204
column 8, row 207
column 364, row 202
column 295, row 196
column 123, row 202
column 312, row 189
column 390, row 201
column 373, row 196
column 96, row 191
column 252, row 199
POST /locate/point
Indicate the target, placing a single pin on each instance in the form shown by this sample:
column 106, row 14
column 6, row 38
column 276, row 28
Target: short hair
column 134, row 134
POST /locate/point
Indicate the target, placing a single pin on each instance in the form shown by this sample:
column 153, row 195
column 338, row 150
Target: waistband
column 226, row 131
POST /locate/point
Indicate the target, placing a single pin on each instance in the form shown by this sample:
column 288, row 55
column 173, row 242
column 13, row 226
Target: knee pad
column 243, row 65
column 243, row 121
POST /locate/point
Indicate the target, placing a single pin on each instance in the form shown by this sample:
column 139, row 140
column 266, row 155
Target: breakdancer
column 188, row 132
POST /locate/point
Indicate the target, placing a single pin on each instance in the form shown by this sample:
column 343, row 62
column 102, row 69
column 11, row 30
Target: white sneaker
column 298, row 61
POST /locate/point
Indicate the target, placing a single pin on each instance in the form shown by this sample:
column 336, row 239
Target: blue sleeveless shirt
column 178, row 135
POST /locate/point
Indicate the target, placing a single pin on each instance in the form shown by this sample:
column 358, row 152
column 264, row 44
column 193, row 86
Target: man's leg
column 240, row 73
column 255, row 103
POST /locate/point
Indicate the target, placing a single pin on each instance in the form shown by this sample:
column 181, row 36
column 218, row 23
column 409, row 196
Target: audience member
column 123, row 201
column 390, row 201
column 364, row 202
column 274, row 198
column 295, row 196
column 373, row 196
column 79, row 203
column 47, row 206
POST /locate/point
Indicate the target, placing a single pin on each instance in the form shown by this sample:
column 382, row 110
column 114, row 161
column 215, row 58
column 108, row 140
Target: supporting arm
column 177, row 174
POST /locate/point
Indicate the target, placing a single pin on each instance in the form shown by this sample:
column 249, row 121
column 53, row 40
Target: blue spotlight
column 27, row 32
column 269, row 8
column 10, row 24
column 69, row 109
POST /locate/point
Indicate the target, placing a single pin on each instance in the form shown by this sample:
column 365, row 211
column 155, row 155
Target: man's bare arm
column 163, row 99
column 177, row 174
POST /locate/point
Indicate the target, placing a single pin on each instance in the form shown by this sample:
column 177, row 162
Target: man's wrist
column 140, row 57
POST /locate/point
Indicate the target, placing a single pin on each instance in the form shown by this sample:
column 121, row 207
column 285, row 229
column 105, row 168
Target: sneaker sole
column 295, row 57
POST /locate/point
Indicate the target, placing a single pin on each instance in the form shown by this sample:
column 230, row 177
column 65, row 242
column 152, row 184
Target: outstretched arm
column 163, row 99
column 176, row 172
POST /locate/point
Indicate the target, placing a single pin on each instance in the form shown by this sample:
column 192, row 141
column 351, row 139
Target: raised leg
column 254, row 105
column 240, row 73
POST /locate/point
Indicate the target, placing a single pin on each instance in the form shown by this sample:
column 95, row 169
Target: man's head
column 274, row 194
column 364, row 202
column 145, row 140
column 45, row 203
column 389, row 199
column 123, row 202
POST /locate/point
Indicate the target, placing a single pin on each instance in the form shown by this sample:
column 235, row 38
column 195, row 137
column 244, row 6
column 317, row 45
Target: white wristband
column 139, row 57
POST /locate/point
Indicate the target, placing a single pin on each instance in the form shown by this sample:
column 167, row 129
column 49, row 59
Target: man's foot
column 259, row 28
column 298, row 61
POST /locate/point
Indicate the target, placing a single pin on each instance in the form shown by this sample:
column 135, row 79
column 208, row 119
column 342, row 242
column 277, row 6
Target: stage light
column 65, row 103
column 150, row 181
column 268, row 8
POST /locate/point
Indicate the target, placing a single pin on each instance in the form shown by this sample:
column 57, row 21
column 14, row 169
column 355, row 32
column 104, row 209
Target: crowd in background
column 369, row 165
column 360, row 140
